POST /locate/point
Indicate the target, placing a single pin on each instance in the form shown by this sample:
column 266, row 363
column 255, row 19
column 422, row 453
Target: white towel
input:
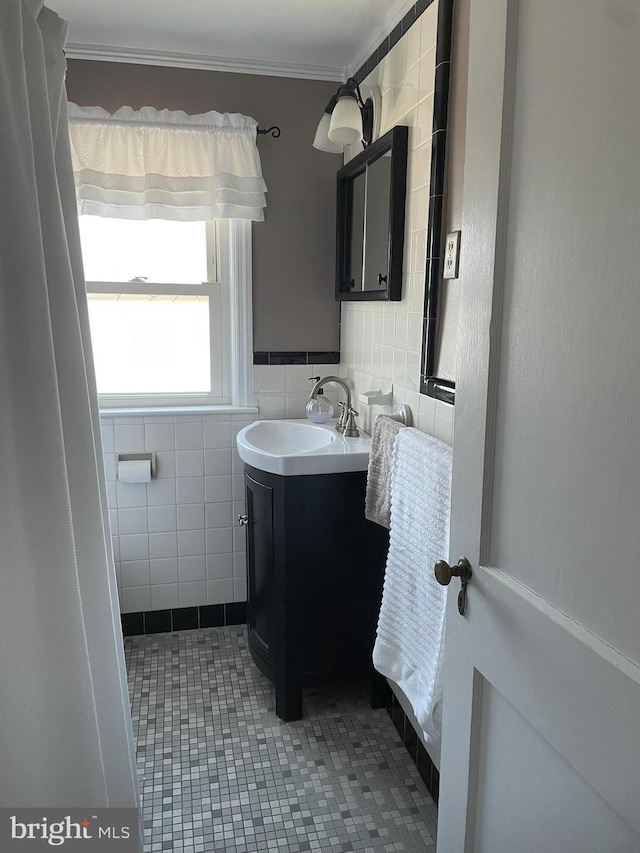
column 377, row 502
column 410, row 637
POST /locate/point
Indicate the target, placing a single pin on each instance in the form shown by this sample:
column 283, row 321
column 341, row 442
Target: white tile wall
column 174, row 539
column 381, row 342
column 282, row 391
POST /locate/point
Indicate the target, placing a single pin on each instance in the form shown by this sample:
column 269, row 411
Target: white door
column 541, row 729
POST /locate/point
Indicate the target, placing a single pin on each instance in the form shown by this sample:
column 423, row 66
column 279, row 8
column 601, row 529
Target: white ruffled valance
column 163, row 164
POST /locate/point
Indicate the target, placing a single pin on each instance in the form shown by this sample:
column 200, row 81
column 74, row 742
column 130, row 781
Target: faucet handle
column 350, row 430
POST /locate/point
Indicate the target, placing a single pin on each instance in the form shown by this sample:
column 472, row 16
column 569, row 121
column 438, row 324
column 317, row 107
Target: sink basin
column 299, row 447
column 285, row 437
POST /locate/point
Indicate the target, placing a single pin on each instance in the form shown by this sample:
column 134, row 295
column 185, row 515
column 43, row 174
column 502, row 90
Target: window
column 158, row 311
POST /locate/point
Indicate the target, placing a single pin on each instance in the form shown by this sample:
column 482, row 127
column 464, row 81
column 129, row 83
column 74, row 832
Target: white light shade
column 321, row 140
column 345, row 127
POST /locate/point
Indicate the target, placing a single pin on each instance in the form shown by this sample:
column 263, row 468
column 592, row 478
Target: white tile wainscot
column 381, row 342
column 174, row 539
column 282, row 391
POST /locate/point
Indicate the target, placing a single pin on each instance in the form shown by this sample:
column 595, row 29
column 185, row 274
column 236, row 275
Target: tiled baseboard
column 385, row 698
column 184, row 618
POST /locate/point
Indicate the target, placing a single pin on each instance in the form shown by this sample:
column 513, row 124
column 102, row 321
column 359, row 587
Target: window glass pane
column 145, row 344
column 151, row 250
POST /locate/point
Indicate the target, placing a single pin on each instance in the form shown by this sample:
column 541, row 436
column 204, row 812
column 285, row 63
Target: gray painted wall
column 294, row 248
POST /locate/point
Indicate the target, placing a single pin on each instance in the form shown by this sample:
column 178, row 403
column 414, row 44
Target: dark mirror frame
column 430, row 383
column 396, row 141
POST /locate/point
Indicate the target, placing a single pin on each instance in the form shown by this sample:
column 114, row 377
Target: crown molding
column 391, row 21
column 176, row 59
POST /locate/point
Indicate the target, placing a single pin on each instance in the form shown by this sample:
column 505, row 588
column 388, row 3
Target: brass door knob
column 444, row 572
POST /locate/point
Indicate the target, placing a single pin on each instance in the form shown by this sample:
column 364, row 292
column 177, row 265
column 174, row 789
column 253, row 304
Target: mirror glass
column 369, row 226
column 371, row 202
column 356, row 255
column 376, row 224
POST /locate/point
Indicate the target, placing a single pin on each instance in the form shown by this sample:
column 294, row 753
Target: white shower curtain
column 65, row 727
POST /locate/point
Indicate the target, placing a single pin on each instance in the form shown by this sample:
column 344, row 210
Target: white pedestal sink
column 295, row 447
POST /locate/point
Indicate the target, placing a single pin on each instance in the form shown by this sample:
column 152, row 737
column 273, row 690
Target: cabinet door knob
column 243, row 520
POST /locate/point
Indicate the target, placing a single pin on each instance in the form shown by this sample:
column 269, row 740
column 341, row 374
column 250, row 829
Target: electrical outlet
column 451, row 255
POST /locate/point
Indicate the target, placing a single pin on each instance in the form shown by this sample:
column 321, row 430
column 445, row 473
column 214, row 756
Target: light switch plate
column 451, row 255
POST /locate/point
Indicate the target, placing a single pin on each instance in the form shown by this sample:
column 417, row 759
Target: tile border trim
column 183, row 618
column 429, row 383
column 296, row 357
column 430, row 774
column 394, row 36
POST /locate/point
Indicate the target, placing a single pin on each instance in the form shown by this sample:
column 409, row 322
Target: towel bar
column 404, row 415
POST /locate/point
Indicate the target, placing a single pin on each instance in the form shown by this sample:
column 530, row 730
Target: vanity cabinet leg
column 288, row 701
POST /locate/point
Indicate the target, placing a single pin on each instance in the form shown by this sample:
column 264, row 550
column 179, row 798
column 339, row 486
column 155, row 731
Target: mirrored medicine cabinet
column 370, row 220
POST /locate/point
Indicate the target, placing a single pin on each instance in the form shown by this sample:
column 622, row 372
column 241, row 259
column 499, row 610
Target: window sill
column 146, row 411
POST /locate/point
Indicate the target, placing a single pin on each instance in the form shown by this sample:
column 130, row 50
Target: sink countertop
column 301, row 447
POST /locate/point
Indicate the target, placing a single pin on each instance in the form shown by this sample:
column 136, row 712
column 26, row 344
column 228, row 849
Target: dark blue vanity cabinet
column 315, row 570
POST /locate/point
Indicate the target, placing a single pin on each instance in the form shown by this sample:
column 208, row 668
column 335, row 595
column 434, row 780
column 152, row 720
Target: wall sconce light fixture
column 347, row 119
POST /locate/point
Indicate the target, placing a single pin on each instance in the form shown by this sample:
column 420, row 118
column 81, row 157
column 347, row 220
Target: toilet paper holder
column 149, row 456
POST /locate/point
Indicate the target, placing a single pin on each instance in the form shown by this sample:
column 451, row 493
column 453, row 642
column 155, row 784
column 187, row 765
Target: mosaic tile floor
column 220, row 772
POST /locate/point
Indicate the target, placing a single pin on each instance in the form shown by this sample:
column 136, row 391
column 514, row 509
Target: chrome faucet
column 346, row 421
